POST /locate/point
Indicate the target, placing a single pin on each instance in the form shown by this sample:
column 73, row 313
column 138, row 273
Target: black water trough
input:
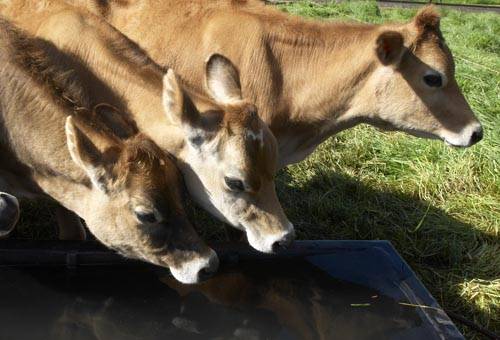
column 314, row 290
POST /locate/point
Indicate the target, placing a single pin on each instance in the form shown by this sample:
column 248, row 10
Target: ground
column 439, row 206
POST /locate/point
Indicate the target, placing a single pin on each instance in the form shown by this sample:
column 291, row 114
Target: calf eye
column 146, row 217
column 433, row 80
column 234, row 184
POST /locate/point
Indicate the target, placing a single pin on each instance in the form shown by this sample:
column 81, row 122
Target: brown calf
column 310, row 79
column 93, row 162
column 227, row 154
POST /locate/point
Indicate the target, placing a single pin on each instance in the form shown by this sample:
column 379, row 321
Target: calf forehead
column 261, row 150
column 247, row 145
column 242, row 116
column 245, row 157
column 434, row 53
column 159, row 193
column 151, row 171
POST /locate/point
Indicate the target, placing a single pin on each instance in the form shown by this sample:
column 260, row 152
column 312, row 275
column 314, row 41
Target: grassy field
column 439, row 206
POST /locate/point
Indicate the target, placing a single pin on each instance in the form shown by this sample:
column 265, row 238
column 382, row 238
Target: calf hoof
column 9, row 213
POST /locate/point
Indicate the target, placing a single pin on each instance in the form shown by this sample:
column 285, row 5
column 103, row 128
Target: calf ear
column 427, row 19
column 91, row 152
column 173, row 98
column 177, row 105
column 222, row 80
column 389, row 47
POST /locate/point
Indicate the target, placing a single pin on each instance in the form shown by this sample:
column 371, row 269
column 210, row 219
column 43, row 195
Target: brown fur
column 105, row 179
column 310, row 79
column 236, row 145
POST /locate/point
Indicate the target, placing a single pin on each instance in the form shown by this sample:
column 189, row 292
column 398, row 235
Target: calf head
column 134, row 205
column 229, row 159
column 415, row 87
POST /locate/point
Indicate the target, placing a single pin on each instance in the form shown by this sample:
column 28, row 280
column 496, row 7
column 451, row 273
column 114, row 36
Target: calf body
column 89, row 158
column 310, row 79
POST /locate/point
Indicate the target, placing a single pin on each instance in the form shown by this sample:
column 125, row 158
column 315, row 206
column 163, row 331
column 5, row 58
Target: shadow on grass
column 437, row 246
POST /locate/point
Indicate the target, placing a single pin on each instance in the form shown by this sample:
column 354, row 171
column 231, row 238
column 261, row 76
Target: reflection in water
column 288, row 300
column 256, row 300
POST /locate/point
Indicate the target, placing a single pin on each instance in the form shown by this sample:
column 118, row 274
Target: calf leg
column 70, row 225
column 9, row 213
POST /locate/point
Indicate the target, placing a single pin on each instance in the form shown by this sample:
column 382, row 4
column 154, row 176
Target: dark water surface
column 344, row 295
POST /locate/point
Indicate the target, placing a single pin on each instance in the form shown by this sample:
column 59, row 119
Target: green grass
column 439, row 206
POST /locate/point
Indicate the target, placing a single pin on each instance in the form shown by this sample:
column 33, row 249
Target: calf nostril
column 278, row 246
column 476, row 136
column 282, row 244
column 206, row 273
column 209, row 270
